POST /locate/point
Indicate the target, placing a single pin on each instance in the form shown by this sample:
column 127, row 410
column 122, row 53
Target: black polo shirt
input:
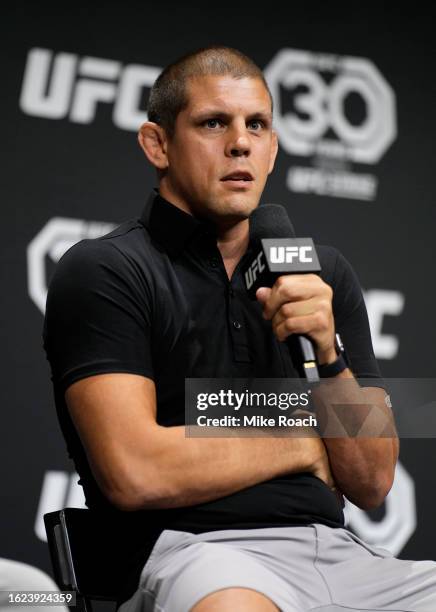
column 153, row 298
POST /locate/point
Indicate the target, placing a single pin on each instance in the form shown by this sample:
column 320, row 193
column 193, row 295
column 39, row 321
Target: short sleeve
column 351, row 320
column 98, row 315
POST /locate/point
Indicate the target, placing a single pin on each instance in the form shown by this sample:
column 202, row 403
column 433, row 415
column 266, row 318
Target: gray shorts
column 306, row 568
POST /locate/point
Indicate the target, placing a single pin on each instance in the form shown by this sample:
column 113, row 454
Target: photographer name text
column 257, row 421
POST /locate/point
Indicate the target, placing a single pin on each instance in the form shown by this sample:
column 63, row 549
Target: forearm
column 139, row 464
column 358, row 430
column 362, row 468
column 360, row 437
column 183, row 471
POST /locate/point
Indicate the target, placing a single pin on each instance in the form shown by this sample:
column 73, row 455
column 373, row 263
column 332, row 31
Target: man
column 239, row 523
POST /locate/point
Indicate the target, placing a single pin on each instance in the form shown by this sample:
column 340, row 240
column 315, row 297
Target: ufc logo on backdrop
column 312, row 93
column 65, row 85
column 381, row 303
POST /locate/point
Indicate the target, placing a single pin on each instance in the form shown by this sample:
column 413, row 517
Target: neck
column 232, row 244
column 232, row 238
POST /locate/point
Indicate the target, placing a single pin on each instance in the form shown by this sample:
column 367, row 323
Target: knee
column 237, row 600
column 20, row 576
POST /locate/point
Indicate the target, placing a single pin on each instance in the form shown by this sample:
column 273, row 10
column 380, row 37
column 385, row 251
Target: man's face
column 222, row 150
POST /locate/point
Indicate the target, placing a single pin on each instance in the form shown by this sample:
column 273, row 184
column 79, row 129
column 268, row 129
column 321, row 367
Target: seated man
column 219, row 523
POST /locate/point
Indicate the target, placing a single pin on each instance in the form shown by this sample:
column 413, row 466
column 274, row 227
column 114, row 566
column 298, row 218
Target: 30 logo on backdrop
column 336, row 110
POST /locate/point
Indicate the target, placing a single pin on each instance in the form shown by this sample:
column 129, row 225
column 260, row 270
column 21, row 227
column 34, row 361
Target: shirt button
column 237, row 325
column 214, row 262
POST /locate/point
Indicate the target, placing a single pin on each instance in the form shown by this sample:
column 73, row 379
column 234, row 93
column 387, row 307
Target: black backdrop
column 355, row 169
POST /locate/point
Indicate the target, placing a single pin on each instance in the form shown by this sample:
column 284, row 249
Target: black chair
column 88, row 556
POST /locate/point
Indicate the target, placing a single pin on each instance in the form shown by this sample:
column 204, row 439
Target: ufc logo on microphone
column 290, row 254
column 254, row 270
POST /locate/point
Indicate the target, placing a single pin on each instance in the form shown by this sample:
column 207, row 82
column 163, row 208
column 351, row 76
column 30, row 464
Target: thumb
column 262, row 294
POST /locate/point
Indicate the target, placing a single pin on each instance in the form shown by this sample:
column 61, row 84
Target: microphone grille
column 270, row 221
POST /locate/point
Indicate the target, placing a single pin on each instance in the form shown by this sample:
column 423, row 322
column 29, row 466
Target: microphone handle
column 303, row 357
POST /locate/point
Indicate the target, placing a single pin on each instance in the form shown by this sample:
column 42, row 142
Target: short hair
column 168, row 96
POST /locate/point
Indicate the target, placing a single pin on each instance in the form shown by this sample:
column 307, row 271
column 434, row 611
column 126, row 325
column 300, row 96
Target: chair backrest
column 87, row 555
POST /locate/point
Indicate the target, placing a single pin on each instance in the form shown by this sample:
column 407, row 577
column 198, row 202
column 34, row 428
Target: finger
column 295, row 309
column 262, row 294
column 293, row 288
column 296, row 325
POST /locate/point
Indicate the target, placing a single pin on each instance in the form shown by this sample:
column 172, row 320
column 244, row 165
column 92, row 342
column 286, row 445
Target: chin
column 240, row 207
column 229, row 209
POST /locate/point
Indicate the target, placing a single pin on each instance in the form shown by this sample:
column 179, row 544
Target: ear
column 153, row 141
column 274, row 150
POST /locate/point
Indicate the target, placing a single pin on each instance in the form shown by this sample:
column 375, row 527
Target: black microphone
column 277, row 252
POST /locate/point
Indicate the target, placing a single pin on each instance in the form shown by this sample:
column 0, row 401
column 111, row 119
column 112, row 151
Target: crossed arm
column 140, row 464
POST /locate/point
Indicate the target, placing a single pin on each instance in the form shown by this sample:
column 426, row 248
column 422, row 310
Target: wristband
column 332, row 369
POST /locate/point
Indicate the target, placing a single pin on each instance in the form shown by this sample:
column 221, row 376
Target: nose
column 238, row 142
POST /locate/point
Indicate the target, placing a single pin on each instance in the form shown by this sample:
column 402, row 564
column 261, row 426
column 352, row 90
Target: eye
column 256, row 124
column 212, row 124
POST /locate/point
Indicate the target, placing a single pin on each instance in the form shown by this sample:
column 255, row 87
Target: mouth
column 238, row 176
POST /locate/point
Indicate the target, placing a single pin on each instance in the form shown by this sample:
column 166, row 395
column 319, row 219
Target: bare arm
column 364, row 453
column 140, row 464
column 363, row 467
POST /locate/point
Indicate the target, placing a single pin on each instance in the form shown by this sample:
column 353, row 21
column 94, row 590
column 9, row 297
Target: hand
column 321, row 469
column 301, row 304
column 320, row 464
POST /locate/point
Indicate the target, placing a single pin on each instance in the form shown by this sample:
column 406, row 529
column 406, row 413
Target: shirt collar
column 169, row 225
